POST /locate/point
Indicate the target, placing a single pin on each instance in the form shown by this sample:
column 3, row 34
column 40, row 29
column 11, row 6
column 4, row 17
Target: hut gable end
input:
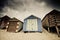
column 53, row 12
column 32, row 17
column 32, row 24
column 14, row 25
column 15, row 19
column 5, row 18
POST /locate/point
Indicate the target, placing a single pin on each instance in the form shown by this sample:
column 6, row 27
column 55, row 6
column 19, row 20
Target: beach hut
column 52, row 20
column 32, row 24
column 14, row 25
column 4, row 20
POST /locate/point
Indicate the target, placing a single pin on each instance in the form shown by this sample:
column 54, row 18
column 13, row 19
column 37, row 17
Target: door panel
column 32, row 25
column 12, row 27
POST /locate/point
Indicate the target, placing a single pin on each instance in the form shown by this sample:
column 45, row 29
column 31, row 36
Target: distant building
column 32, row 24
column 14, row 25
column 52, row 20
column 4, row 20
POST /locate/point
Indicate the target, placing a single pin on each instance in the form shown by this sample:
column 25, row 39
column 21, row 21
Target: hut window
column 17, row 27
column 6, row 26
column 17, row 22
column 8, row 23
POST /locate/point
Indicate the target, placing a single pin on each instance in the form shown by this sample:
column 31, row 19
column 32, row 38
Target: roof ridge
column 31, row 16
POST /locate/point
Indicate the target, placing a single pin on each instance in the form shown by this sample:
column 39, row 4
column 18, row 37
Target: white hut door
column 32, row 25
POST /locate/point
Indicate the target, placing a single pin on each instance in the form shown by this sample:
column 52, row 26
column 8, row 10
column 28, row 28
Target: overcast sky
column 24, row 8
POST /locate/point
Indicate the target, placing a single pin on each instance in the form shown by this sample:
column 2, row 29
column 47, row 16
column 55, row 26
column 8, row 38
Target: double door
column 32, row 25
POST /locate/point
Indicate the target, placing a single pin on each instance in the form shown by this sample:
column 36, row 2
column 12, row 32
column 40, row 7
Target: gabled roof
column 53, row 12
column 32, row 17
column 5, row 18
column 14, row 19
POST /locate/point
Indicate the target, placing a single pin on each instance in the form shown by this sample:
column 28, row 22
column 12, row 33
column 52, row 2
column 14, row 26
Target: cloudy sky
column 24, row 8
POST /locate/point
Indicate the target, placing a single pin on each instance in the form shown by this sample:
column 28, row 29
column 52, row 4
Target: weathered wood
column 56, row 25
column 14, row 25
column 53, row 20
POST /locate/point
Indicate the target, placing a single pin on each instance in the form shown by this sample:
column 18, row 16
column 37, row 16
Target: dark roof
column 5, row 18
column 53, row 12
column 32, row 17
column 14, row 19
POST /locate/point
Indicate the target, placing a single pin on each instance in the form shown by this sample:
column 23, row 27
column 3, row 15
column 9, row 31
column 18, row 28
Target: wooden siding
column 45, row 22
column 3, row 25
column 14, row 26
column 52, row 19
column 5, row 19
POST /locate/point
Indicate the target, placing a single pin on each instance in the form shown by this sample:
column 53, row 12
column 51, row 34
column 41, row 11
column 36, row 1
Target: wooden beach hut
column 14, row 25
column 32, row 24
column 4, row 20
column 52, row 20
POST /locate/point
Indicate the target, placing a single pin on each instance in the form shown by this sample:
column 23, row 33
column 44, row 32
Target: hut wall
column 45, row 22
column 20, row 26
column 24, row 25
column 37, row 28
column 58, row 20
column 51, row 20
column 3, row 24
column 4, row 21
column 54, row 20
column 14, row 26
column 39, row 25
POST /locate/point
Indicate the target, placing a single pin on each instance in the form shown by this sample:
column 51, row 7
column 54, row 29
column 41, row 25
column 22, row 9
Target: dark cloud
column 2, row 4
column 10, row 3
column 15, row 3
column 52, row 3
